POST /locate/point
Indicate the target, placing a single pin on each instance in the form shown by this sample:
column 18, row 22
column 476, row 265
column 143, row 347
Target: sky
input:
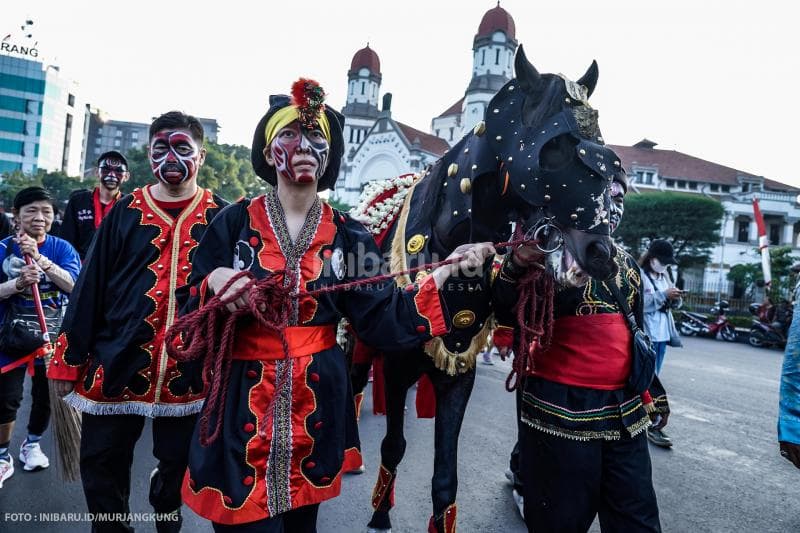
column 714, row 79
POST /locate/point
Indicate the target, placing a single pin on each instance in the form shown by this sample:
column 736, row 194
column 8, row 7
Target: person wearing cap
column 86, row 209
column 55, row 265
column 110, row 362
column 275, row 439
column 660, row 297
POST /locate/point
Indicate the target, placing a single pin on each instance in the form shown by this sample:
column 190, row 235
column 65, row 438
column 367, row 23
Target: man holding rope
column 54, row 265
column 110, row 360
column 279, row 428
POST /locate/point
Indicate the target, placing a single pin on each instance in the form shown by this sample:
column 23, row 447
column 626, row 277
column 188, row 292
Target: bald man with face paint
column 110, row 361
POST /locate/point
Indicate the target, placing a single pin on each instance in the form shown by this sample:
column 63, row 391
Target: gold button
column 466, row 185
column 464, row 319
column 415, row 244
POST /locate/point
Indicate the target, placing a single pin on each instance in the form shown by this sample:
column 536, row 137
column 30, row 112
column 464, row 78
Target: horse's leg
column 401, row 370
column 452, row 395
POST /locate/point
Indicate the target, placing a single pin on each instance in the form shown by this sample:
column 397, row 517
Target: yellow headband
column 285, row 116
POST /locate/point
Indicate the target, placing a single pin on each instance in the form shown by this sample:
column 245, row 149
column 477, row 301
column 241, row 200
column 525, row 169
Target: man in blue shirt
column 55, row 265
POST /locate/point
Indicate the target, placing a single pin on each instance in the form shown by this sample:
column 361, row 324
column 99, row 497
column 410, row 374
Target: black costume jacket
column 268, row 461
column 111, row 339
column 77, row 225
column 583, row 412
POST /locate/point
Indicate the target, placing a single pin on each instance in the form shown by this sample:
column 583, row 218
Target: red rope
column 194, row 335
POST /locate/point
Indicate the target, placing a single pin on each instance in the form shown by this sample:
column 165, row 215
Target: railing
column 766, row 195
column 701, row 297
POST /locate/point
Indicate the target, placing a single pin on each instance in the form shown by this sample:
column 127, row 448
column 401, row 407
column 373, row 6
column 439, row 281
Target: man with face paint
column 86, row 209
column 288, row 429
column 110, row 362
column 582, row 450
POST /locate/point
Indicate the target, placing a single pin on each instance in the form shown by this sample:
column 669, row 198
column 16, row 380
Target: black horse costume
column 538, row 160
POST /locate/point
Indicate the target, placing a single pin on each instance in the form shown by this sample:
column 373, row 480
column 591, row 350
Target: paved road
column 724, row 473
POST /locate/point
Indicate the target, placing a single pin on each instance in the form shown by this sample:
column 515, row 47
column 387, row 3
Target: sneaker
column 31, row 454
column 487, row 358
column 6, row 469
column 659, row 438
column 519, row 500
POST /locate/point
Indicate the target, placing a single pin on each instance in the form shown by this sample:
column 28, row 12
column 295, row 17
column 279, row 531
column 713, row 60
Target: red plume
column 309, row 98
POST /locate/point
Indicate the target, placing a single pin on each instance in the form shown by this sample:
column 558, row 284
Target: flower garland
column 381, row 201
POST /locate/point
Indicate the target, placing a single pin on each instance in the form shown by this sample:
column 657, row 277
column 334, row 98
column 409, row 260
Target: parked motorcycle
column 766, row 332
column 697, row 323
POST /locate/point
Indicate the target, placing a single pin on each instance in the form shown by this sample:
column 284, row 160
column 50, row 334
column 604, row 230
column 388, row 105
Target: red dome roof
column 496, row 19
column 366, row 57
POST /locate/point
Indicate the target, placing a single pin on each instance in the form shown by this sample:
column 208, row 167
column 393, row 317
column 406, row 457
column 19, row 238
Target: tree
column 690, row 222
column 751, row 274
column 59, row 184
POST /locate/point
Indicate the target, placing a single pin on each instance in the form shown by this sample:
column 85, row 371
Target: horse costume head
column 537, row 160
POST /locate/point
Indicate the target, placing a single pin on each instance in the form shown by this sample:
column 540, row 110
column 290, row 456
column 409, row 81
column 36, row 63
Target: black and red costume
column 269, row 462
column 111, row 346
column 583, row 449
column 82, row 217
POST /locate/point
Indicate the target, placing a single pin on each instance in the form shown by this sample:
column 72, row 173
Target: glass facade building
column 42, row 120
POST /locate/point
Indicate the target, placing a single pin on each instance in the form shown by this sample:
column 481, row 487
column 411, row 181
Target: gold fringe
column 398, row 252
column 450, row 362
column 459, row 362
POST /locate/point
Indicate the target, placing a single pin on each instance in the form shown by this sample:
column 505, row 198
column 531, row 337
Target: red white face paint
column 300, row 155
column 111, row 170
column 174, row 156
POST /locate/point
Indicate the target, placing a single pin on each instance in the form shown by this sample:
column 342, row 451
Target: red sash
column 255, row 343
column 591, row 351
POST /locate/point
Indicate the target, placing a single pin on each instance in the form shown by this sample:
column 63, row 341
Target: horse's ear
column 527, row 75
column 589, row 80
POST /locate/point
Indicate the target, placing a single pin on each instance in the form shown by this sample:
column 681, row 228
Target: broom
column 66, row 419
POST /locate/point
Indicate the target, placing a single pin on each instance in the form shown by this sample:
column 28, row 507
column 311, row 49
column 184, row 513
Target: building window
column 693, row 185
column 681, row 184
column 726, row 188
column 117, row 143
column 437, row 133
column 745, row 187
column 497, row 57
column 743, row 231
column 363, row 85
column 774, row 234
column 483, row 57
column 135, row 135
column 670, row 183
column 714, row 187
column 118, row 133
column 71, row 100
column 351, row 135
column 451, row 133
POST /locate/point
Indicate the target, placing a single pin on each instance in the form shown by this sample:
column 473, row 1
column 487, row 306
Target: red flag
column 763, row 244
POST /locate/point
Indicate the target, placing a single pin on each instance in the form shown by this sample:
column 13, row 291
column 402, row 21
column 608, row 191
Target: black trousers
column 11, row 387
column 107, row 444
column 300, row 520
column 567, row 483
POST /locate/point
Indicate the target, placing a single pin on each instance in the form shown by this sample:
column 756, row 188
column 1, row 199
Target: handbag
column 21, row 333
column 643, row 364
column 674, row 336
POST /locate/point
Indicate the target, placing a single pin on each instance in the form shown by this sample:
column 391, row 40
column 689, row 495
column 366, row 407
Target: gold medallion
column 415, row 244
column 464, row 319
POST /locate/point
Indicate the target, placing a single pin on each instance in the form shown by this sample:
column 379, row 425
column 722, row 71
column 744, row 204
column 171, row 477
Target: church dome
column 497, row 19
column 366, row 57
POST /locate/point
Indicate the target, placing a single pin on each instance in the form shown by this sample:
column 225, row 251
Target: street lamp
column 722, row 254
